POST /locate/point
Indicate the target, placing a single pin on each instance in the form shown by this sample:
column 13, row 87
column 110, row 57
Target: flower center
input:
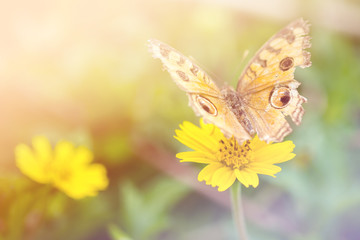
column 233, row 155
column 65, row 175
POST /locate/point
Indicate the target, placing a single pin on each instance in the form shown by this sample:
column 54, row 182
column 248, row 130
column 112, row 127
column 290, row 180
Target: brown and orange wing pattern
column 204, row 96
column 267, row 85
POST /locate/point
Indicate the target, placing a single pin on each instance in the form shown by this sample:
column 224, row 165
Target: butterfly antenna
column 246, row 53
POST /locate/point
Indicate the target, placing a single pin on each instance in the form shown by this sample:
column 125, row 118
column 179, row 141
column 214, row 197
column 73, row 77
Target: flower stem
column 237, row 210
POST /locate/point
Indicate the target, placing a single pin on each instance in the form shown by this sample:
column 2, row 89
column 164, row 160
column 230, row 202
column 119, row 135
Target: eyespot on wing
column 206, row 105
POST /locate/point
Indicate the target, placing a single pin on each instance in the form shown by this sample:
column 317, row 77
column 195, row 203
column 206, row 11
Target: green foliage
column 91, row 73
column 25, row 206
column 336, row 68
column 145, row 213
column 117, row 234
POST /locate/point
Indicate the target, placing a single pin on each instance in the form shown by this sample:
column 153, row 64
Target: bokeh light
column 80, row 71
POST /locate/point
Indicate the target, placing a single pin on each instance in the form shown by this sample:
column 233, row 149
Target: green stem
column 237, row 210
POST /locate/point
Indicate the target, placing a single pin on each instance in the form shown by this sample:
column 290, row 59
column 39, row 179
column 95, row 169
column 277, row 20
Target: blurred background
column 80, row 70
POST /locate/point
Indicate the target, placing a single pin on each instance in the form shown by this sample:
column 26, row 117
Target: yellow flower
column 226, row 159
column 67, row 168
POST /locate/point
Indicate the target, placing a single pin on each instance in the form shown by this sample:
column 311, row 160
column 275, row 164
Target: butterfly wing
column 204, row 96
column 267, row 85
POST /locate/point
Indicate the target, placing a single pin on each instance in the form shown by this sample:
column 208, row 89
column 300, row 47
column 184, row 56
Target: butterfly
column 266, row 91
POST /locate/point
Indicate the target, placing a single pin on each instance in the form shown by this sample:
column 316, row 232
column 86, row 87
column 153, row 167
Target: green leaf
column 117, row 234
column 145, row 212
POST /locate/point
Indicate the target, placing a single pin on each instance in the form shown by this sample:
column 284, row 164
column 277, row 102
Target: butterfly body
column 237, row 105
column 266, row 92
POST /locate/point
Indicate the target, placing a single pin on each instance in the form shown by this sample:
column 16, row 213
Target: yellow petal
column 30, row 166
column 224, row 163
column 64, row 152
column 198, row 160
column 207, row 172
column 23, row 155
column 199, row 135
column 257, row 144
column 250, row 178
column 42, row 148
column 67, row 167
column 211, row 130
column 198, row 157
column 241, row 177
column 274, row 158
column 195, row 143
column 219, row 174
column 264, row 168
column 226, row 180
column 84, row 182
column 82, row 155
column 275, row 153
